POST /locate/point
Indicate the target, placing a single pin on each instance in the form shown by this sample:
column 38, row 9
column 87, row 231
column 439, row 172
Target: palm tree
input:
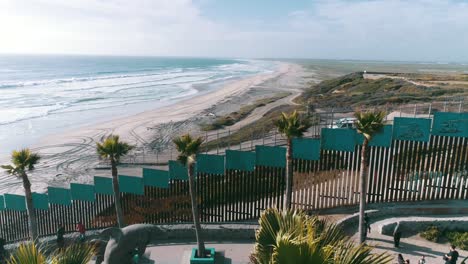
column 291, row 126
column 294, row 237
column 113, row 149
column 367, row 124
column 25, row 160
column 188, row 148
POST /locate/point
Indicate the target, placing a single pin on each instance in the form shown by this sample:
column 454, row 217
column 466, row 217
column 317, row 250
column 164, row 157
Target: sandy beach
column 70, row 156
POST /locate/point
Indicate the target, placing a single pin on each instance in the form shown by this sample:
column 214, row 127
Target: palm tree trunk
column 363, row 190
column 195, row 213
column 289, row 175
column 118, row 203
column 29, row 206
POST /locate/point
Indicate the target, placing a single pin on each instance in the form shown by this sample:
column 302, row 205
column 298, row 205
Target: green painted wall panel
column 60, row 196
column 103, row 185
column 82, row 192
column 413, row 129
column 40, row 201
column 15, row 202
column 2, row 203
column 270, row 156
column 177, row 171
column 240, row 160
column 306, row 148
column 450, row 124
column 381, row 139
column 212, row 164
column 156, row 178
column 340, row 139
column 130, row 184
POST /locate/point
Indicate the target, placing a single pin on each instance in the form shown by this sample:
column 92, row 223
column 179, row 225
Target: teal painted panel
column 450, row 124
column 82, row 192
column 306, row 148
column 156, row 178
column 103, row 185
column 15, row 202
column 40, row 201
column 240, row 160
column 59, row 196
column 177, row 170
column 414, row 129
column 2, row 203
column 212, row 164
column 270, row 156
column 381, row 139
column 340, row 139
column 131, row 184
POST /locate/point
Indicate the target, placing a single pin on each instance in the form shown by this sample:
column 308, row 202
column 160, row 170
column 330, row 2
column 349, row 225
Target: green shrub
column 432, row 233
column 459, row 239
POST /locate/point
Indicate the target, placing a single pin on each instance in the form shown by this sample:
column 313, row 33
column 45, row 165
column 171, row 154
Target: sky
column 410, row 30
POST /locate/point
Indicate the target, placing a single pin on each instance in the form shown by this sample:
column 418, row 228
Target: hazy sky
column 433, row 30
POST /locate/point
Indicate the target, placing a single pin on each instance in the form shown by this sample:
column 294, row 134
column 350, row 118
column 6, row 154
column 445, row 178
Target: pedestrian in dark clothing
column 400, row 259
column 452, row 256
column 60, row 234
column 367, row 223
column 2, row 249
column 397, row 235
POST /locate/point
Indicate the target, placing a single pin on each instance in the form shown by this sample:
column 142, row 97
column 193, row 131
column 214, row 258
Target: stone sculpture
column 126, row 242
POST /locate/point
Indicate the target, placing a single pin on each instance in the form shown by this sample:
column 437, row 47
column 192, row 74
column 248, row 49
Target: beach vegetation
column 454, row 237
column 294, row 237
column 234, row 117
column 23, row 161
column 188, row 148
column 290, row 126
column 112, row 149
column 33, row 253
column 352, row 90
column 252, row 131
column 368, row 124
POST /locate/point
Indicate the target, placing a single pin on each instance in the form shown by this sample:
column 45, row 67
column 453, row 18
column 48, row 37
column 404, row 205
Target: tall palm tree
column 367, row 124
column 188, row 148
column 22, row 161
column 112, row 149
column 291, row 126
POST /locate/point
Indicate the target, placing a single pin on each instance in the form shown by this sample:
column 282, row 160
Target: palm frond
column 369, row 123
column 22, row 161
column 112, row 148
column 188, row 147
column 74, row 254
column 295, row 237
column 28, row 253
column 292, row 125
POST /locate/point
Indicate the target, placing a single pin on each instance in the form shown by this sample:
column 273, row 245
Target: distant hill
column 374, row 89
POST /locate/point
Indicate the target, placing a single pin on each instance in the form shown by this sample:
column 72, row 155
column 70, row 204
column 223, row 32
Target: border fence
column 414, row 159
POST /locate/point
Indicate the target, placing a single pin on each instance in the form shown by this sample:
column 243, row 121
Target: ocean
column 42, row 95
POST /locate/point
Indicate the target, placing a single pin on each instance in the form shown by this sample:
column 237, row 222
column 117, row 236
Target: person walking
column 367, row 223
column 397, row 235
column 60, row 234
column 81, row 229
column 422, row 260
column 452, row 256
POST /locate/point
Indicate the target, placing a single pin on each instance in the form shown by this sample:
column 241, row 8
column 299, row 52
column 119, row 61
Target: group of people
column 449, row 258
column 80, row 228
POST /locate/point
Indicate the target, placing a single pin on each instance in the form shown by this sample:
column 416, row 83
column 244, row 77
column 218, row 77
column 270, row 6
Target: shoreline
column 70, row 156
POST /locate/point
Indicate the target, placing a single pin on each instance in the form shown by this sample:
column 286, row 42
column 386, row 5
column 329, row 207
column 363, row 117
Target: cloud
column 377, row 29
